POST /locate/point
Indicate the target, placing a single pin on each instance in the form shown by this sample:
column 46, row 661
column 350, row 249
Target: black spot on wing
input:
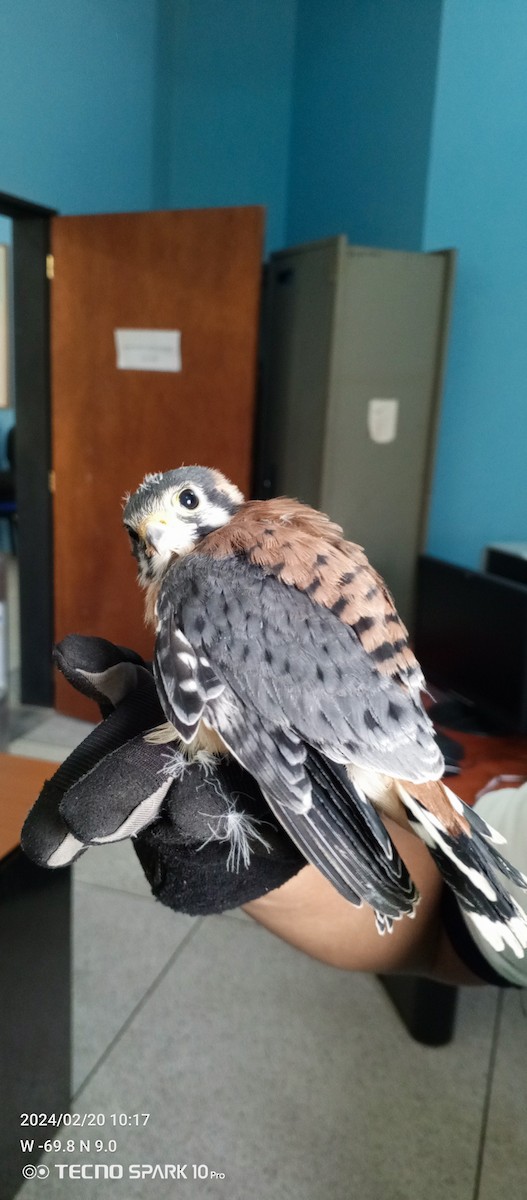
column 370, row 722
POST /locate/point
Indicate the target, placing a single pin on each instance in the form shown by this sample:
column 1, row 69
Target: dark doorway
column 33, row 454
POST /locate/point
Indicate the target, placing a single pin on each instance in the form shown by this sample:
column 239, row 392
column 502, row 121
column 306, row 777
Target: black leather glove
column 202, row 831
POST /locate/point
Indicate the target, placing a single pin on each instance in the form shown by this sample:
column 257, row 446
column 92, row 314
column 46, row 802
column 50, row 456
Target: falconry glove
column 201, row 830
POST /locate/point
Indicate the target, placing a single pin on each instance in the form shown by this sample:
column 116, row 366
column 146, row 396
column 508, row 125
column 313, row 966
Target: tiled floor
column 42, row 733
column 290, row 1078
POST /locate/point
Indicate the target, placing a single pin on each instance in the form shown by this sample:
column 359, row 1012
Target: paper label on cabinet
column 148, row 349
column 383, row 417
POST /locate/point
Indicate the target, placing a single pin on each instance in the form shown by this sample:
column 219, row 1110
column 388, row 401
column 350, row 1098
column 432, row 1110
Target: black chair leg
column 427, row 1008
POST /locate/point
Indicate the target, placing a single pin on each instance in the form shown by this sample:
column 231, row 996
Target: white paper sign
column 383, row 417
column 148, row 349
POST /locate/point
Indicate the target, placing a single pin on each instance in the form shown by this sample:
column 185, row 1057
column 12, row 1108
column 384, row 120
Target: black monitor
column 471, row 641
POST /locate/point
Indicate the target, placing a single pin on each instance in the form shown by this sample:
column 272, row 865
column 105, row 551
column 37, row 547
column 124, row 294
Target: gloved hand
column 202, row 832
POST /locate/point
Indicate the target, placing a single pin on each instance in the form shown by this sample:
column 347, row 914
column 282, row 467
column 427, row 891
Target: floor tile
column 113, row 866
column 29, row 748
column 24, row 719
column 240, row 915
column 504, row 1167
column 121, row 943
column 289, row 1077
column 43, row 733
column 64, row 731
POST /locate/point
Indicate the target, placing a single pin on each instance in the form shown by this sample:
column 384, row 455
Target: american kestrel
column 277, row 642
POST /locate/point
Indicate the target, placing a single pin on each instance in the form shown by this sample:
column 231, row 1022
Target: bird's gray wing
column 331, row 823
column 293, row 661
column 241, row 651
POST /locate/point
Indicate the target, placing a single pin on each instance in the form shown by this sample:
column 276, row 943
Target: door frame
column 31, row 306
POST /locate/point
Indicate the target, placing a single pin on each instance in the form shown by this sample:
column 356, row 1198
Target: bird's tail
column 464, row 847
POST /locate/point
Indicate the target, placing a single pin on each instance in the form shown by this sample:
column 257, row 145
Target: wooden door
column 194, row 271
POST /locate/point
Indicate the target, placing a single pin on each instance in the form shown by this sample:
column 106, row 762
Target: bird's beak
column 164, row 536
column 155, row 535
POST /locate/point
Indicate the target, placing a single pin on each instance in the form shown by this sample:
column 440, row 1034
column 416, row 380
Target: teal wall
column 362, row 112
column 477, row 201
column 77, row 102
column 224, row 105
column 134, row 104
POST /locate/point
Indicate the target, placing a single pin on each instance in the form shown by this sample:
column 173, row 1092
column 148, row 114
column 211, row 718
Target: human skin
column 311, row 915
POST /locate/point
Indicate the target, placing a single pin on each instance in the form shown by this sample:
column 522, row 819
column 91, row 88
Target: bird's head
column 170, row 513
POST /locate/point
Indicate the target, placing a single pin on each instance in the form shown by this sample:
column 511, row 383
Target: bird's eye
column 188, row 499
column 132, row 533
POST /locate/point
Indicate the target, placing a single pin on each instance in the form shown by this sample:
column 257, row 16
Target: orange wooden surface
column 21, row 780
column 486, row 758
column 198, row 272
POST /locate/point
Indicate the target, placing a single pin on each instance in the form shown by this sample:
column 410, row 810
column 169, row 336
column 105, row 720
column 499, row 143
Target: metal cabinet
column 353, row 354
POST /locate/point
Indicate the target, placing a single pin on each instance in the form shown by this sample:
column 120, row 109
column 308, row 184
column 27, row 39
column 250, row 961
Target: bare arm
column 310, row 914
